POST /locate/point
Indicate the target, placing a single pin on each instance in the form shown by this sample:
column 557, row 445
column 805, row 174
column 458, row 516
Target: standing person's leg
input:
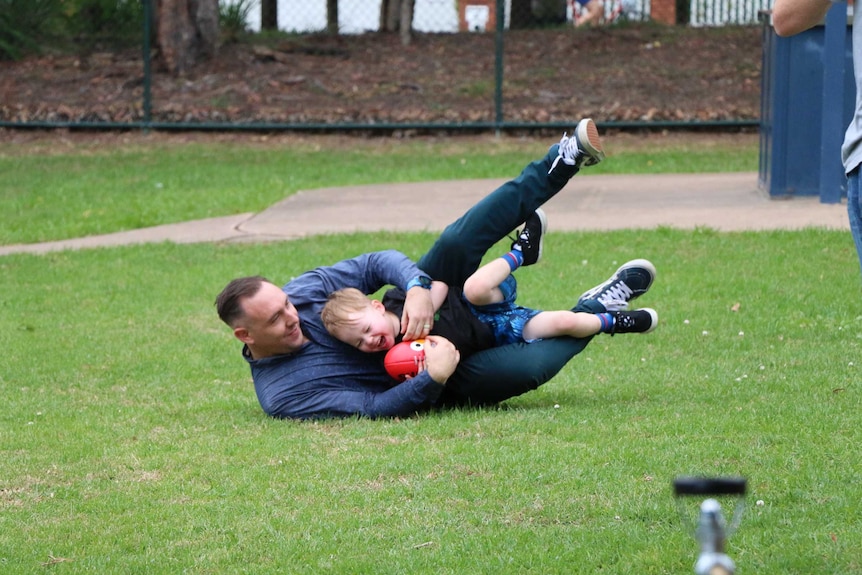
column 854, row 210
column 459, row 250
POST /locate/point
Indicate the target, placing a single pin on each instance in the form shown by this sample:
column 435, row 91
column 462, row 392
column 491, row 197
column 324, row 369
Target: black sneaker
column 584, row 148
column 529, row 240
column 639, row 321
column 630, row 281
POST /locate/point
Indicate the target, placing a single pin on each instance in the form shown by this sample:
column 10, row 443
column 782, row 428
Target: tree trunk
column 186, row 32
column 389, row 15
column 269, row 14
column 397, row 16
column 332, row 17
column 406, row 21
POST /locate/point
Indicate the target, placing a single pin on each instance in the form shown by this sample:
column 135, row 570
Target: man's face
column 271, row 323
column 369, row 330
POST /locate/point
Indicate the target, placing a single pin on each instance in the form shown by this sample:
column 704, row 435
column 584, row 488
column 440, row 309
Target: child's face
column 370, row 330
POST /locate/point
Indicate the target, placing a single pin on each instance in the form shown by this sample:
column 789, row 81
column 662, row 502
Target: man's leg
column 500, row 373
column 497, row 374
column 459, row 250
column 854, row 210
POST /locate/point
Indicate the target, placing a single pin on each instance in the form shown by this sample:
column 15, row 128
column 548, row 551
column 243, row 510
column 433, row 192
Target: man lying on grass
column 301, row 371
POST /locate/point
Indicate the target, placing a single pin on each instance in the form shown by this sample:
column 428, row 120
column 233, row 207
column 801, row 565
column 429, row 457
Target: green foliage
column 105, row 23
column 233, row 18
column 24, row 24
column 31, row 26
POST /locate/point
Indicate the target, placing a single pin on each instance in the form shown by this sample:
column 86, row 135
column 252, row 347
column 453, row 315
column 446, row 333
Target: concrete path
column 724, row 202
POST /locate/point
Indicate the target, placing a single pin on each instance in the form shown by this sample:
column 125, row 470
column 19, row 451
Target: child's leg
column 496, row 374
column 579, row 324
column 558, row 323
column 483, row 287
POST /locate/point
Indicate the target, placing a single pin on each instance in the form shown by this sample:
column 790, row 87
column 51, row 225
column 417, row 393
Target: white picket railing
column 726, row 12
column 357, row 16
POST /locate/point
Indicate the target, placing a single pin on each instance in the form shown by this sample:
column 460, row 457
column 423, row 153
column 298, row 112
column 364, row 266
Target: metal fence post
column 148, row 80
column 498, row 67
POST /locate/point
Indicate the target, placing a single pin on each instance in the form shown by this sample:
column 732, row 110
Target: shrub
column 233, row 18
column 25, row 25
column 105, row 23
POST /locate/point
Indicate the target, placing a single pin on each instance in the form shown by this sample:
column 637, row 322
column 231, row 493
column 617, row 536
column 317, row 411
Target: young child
column 485, row 313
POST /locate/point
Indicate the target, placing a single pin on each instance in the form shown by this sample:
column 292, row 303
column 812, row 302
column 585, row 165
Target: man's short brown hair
column 229, row 301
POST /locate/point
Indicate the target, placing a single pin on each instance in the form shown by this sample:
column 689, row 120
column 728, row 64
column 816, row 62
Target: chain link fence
column 442, row 16
column 434, row 16
column 341, row 65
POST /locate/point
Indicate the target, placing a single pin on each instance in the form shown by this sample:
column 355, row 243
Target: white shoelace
column 618, row 293
column 568, row 152
column 615, row 304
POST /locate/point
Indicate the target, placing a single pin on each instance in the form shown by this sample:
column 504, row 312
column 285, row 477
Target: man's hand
column 441, row 358
column 418, row 317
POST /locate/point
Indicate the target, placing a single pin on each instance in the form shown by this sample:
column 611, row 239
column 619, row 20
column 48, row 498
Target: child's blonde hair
column 340, row 305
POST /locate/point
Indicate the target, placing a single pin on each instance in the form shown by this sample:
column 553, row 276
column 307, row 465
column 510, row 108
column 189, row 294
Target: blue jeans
column 854, row 210
column 496, row 374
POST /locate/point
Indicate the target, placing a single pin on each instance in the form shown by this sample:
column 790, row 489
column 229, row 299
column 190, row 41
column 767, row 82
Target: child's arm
column 439, row 291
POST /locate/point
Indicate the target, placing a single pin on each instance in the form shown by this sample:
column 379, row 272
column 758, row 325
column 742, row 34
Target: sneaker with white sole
column 630, row 281
column 529, row 240
column 584, row 148
column 638, row 321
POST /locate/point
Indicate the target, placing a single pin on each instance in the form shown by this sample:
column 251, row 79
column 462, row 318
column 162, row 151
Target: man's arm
column 791, row 17
column 402, row 400
column 324, row 382
column 368, row 273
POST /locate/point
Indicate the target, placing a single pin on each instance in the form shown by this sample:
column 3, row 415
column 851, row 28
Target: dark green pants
column 497, row 374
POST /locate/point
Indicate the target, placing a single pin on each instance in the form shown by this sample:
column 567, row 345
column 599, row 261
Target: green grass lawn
column 60, row 192
column 131, row 440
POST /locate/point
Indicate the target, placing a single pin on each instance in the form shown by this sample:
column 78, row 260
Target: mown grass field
column 131, row 440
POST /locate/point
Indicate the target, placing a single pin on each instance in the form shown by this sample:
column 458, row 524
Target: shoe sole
column 544, row 221
column 653, row 316
column 639, row 263
column 588, row 137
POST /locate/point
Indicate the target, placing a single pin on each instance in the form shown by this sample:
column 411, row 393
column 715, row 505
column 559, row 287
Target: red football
column 401, row 360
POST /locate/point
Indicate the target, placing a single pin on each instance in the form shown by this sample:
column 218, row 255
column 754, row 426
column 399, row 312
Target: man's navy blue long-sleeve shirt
column 328, row 378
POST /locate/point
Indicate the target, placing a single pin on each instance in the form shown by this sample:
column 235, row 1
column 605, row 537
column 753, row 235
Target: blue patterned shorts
column 505, row 318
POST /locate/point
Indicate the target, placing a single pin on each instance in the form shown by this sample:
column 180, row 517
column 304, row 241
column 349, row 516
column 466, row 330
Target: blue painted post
column 833, row 183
